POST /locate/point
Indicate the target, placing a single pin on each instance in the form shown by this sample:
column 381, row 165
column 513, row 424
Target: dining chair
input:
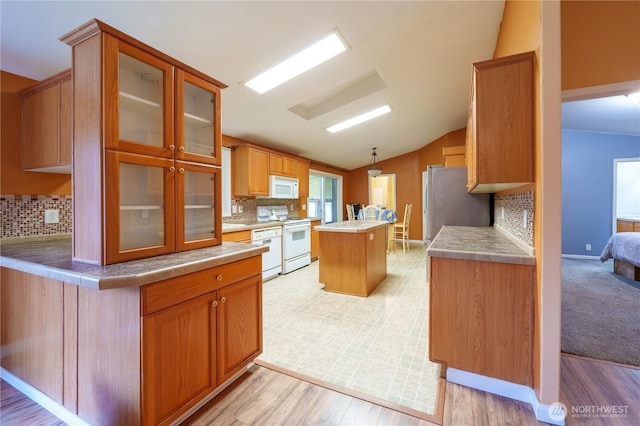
column 371, row 212
column 350, row 213
column 401, row 230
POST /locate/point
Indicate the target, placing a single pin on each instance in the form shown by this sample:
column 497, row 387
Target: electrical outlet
column 234, row 208
column 52, row 216
column 239, row 209
column 588, row 247
column 304, row 207
column 502, row 213
column 524, row 218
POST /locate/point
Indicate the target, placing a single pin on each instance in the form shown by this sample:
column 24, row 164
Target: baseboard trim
column 580, row 256
column 543, row 412
column 42, row 399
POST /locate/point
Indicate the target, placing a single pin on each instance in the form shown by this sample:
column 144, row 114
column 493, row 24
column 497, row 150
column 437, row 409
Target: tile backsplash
column 23, row 215
column 249, row 207
column 509, row 214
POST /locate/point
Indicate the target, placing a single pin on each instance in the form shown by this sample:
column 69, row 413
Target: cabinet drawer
column 243, row 236
column 164, row 294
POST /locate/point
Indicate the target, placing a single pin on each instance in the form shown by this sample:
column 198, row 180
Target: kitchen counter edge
column 352, row 226
column 482, row 243
column 51, row 258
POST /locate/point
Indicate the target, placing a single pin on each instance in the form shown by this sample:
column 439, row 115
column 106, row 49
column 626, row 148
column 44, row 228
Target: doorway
column 626, row 189
column 325, row 196
column 382, row 191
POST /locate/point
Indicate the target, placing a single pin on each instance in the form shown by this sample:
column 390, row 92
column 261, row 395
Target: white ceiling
column 421, row 50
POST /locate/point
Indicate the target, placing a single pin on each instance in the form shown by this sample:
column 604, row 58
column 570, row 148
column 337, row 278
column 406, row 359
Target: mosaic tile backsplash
column 23, row 215
column 249, row 207
column 513, row 207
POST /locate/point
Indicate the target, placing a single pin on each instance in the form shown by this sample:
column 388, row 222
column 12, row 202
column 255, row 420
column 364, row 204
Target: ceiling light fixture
column 320, row 51
column 634, row 97
column 374, row 170
column 360, row 118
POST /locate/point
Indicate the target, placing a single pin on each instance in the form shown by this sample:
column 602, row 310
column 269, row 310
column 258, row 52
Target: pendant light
column 374, row 170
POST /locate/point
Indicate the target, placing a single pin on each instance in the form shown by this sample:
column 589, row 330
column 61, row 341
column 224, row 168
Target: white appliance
column 272, row 259
column 296, row 236
column 283, row 187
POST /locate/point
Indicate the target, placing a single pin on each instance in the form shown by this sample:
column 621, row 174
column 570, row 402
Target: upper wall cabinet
column 281, row 165
column 499, row 144
column 147, row 150
column 46, row 125
column 250, row 172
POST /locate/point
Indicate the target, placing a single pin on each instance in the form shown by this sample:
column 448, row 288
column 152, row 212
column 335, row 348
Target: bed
column 624, row 249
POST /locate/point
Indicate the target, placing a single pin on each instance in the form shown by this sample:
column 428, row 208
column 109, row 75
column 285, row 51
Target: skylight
column 360, row 118
column 319, row 52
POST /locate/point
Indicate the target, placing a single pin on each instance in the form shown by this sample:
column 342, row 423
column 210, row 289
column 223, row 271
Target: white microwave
column 283, row 187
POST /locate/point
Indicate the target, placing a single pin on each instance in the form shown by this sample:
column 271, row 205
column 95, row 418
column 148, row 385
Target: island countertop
column 51, row 258
column 352, row 226
column 483, row 243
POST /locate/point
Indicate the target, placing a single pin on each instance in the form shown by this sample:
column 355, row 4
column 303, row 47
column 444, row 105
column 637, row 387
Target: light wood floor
column 263, row 396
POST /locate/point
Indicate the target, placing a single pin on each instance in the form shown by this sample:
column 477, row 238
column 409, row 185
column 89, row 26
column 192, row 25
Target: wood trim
column 70, row 349
column 47, row 82
column 592, row 92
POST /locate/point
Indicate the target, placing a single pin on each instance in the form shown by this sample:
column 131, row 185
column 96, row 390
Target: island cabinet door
column 239, row 326
column 178, row 358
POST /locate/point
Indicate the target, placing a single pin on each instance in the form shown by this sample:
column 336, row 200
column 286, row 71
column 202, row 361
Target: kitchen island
column 144, row 342
column 352, row 256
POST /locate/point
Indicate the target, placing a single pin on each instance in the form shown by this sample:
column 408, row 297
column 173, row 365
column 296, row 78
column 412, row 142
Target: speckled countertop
column 629, row 218
column 51, row 258
column 352, row 226
column 484, row 243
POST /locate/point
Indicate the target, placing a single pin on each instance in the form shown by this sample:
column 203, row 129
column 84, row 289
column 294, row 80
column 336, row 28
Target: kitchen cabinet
column 243, row 236
column 499, row 141
column 203, row 340
column 303, row 178
column 156, row 122
column 281, row 165
column 250, row 172
column 46, row 125
column 315, row 239
column 453, row 156
column 481, row 317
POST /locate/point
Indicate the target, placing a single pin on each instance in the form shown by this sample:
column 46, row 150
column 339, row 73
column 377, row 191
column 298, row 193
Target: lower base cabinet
column 481, row 318
column 138, row 355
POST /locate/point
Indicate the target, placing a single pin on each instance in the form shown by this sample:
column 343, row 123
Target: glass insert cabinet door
column 142, row 110
column 199, row 195
column 140, row 216
column 197, row 120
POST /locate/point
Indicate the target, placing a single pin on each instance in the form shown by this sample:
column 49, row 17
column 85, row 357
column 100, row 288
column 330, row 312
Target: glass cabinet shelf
column 191, row 120
column 136, row 103
column 198, row 206
column 141, row 207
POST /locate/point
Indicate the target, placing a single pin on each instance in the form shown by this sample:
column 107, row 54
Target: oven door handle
column 293, row 228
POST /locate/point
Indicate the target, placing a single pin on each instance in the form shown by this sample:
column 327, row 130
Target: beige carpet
column 376, row 345
column 600, row 312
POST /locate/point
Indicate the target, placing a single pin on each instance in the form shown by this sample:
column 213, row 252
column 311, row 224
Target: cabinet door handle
column 224, row 299
column 172, row 147
column 172, row 169
column 218, row 277
column 181, row 169
column 181, row 149
column 214, row 303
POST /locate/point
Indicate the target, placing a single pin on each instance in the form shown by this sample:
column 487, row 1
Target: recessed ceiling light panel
column 319, row 52
column 360, row 118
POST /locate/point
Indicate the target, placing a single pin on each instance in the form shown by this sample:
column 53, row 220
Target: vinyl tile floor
column 376, row 345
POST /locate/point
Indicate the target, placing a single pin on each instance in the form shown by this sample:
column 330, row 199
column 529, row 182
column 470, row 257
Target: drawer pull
column 224, row 299
column 214, row 303
column 172, row 169
column 218, row 277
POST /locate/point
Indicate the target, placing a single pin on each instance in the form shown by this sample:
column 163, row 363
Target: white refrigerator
column 447, row 202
